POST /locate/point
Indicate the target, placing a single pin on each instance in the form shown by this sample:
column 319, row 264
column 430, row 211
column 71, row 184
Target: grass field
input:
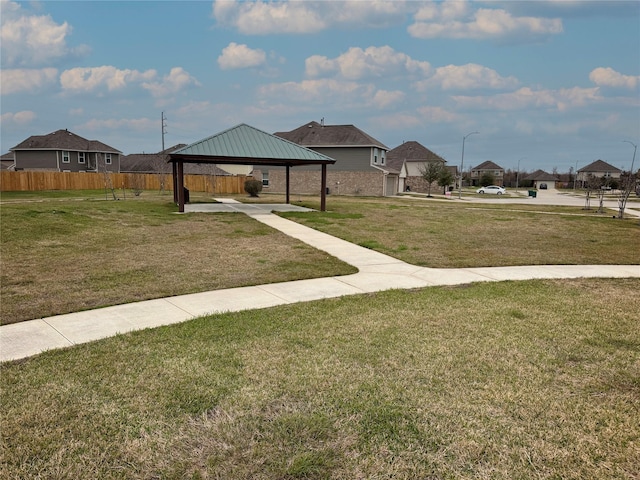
column 535, row 379
column 63, row 253
column 69, row 251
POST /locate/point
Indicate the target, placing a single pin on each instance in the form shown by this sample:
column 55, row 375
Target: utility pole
column 164, row 126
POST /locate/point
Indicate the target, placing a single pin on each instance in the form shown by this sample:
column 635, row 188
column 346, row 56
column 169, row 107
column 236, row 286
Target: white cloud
column 385, row 98
column 357, row 63
column 91, row 79
column 329, row 93
column 525, row 98
column 19, row 118
column 608, row 77
column 298, row 17
column 21, row 80
column 456, row 19
column 177, row 80
column 33, row 40
column 236, row 56
column 437, row 115
column 466, row 77
column 111, row 79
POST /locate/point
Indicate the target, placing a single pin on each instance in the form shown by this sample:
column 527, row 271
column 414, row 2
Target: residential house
column 360, row 168
column 411, row 159
column 489, row 168
column 7, row 162
column 64, row 151
column 542, row 180
column 148, row 162
column 598, row 169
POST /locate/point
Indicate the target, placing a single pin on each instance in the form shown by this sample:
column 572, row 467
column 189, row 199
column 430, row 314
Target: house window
column 107, row 158
column 382, row 157
column 265, row 179
column 65, row 156
column 80, row 157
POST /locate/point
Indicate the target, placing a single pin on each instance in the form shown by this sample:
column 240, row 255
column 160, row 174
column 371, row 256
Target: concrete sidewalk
column 377, row 272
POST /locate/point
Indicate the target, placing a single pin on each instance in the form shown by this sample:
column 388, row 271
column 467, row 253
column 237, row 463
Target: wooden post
column 323, row 189
column 180, row 186
column 174, row 169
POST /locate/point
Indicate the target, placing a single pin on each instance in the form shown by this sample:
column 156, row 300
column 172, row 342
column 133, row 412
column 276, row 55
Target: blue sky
column 548, row 84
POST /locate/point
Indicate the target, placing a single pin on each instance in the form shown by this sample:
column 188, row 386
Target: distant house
column 148, row 162
column 360, row 167
column 488, row 167
column 7, row 162
column 410, row 160
column 598, row 169
column 64, row 151
column 542, row 180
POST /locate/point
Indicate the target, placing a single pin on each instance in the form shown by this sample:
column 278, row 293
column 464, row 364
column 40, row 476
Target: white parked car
column 492, row 189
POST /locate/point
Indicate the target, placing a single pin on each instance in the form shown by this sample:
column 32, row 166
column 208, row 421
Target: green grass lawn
column 69, row 251
column 535, row 379
column 62, row 253
column 444, row 235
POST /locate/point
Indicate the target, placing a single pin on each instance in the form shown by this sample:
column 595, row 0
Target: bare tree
column 591, row 184
column 628, row 183
column 108, row 183
column 161, row 167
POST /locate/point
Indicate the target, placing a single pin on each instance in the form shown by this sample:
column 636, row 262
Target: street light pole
column 462, row 164
column 518, row 173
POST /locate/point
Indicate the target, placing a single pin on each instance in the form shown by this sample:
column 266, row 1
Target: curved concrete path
column 377, row 272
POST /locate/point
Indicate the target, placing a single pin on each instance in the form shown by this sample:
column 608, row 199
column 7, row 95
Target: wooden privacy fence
column 37, row 181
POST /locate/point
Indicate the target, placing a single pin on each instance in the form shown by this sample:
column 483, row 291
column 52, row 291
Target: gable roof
column 541, row 175
column 488, row 165
column 313, row 134
column 411, row 151
column 63, row 140
column 146, row 162
column 599, row 166
column 244, row 144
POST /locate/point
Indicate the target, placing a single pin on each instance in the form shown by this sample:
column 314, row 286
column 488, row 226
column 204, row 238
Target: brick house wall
column 308, row 182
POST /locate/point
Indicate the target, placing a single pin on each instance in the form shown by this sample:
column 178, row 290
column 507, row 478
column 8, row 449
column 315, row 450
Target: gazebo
column 246, row 145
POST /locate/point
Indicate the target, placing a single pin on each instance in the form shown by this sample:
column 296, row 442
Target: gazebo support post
column 180, row 186
column 323, row 189
column 288, row 167
column 174, row 170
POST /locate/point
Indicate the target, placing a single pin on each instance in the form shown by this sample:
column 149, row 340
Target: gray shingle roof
column 244, row 142
column 488, row 165
column 313, row 134
column 411, row 151
column 541, row 175
column 599, row 166
column 64, row 140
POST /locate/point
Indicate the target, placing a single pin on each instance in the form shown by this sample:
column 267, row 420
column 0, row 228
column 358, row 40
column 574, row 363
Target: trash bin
column 532, row 193
column 186, row 195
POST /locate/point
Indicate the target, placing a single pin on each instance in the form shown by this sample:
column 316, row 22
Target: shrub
column 253, row 187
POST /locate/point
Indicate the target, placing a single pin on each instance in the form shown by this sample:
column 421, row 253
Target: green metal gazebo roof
column 244, row 144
